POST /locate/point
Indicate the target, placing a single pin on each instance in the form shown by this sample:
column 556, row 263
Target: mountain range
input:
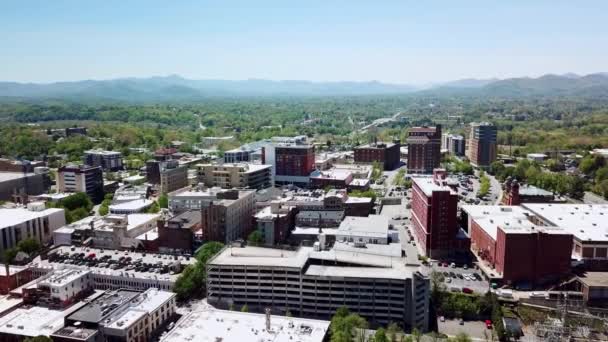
column 176, row 88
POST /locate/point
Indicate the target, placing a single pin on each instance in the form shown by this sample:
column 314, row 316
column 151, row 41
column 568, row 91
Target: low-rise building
column 339, row 179
column 319, row 218
column 178, row 233
column 211, row 324
column 131, row 207
column 513, row 246
column 16, row 184
column 251, row 176
column 585, row 222
column 172, row 176
column 34, row 221
column 275, row 222
column 373, row 229
column 111, row 231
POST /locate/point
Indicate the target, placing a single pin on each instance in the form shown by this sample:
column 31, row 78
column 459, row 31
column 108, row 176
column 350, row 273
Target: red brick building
column 511, row 247
column 293, row 163
column 434, row 211
column 424, row 149
column 338, row 179
column 386, row 154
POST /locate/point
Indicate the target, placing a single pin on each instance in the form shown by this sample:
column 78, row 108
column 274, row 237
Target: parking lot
column 458, row 278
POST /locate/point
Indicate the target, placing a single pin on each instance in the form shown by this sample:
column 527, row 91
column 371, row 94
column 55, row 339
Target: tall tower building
column 482, row 144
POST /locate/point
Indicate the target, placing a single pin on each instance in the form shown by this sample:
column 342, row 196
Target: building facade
column 424, row 149
column 229, row 217
column 81, row 178
column 172, row 176
column 294, row 164
column 482, row 144
column 434, row 215
column 108, row 160
column 227, row 176
column 34, row 221
column 387, row 154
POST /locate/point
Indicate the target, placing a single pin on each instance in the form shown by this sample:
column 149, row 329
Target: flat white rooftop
column 14, row 216
column 135, row 205
column 587, row 222
column 32, row 321
column 370, row 226
column 428, row 186
column 260, row 256
column 212, row 325
column 63, row 277
column 8, row 176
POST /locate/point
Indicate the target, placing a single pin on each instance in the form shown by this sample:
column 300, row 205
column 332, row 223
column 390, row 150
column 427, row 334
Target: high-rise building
column 434, row 210
column 252, row 176
column 453, row 144
column 384, row 153
column 482, row 144
column 81, row 178
column 108, row 160
column 424, row 149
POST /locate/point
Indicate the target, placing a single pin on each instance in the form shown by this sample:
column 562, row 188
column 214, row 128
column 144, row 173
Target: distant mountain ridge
column 177, row 88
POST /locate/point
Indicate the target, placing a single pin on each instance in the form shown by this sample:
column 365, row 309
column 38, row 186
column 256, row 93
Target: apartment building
column 81, row 178
column 229, row 217
column 227, row 176
column 482, row 144
column 385, row 153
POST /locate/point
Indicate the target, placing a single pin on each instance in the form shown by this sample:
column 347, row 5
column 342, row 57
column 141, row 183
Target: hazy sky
column 393, row 41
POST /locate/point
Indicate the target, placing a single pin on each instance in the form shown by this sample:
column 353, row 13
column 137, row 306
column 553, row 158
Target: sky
column 409, row 42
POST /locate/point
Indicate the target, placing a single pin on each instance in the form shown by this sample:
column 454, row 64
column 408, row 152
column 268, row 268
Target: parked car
column 467, row 290
column 488, row 324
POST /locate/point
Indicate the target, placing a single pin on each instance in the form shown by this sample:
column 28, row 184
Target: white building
column 210, row 324
column 537, row 157
column 33, row 221
column 65, row 284
column 363, row 230
column 131, row 207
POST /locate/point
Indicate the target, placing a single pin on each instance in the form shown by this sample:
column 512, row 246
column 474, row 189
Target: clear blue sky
column 392, row 41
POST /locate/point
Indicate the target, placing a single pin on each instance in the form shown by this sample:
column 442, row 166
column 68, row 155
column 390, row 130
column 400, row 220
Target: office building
column 227, row 176
column 20, row 166
column 385, row 153
column 294, row 164
column 108, row 160
column 209, row 324
column 424, row 149
column 482, row 144
column 229, row 216
column 238, row 155
column 172, row 176
column 18, row 186
column 81, row 178
column 513, row 246
column 434, row 221
column 34, row 221
column 313, row 282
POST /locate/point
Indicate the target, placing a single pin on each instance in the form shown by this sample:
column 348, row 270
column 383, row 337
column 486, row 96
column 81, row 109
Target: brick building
column 516, row 194
column 385, row 153
column 482, row 144
column 513, row 247
column 177, row 234
column 294, row 163
column 338, row 179
column 229, row 217
column 424, row 149
column 275, row 222
column 434, row 216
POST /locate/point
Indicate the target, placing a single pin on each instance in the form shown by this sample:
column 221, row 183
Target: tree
column 416, row 334
column 29, row 246
column 163, row 201
column 153, row 209
column 380, row 336
column 394, row 332
column 346, row 326
column 40, row 338
column 256, row 238
column 104, row 208
column 192, row 280
column 244, row 308
column 577, row 188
